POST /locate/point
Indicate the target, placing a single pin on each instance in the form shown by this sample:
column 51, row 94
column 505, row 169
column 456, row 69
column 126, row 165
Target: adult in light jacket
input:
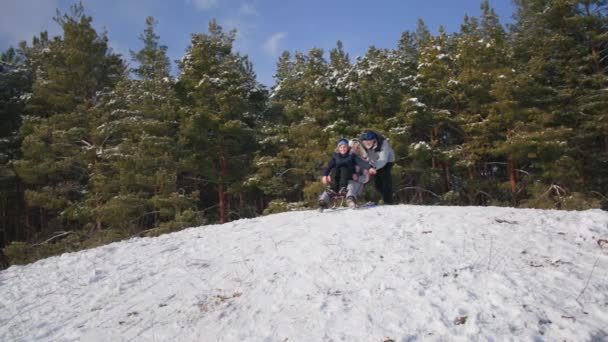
column 381, row 158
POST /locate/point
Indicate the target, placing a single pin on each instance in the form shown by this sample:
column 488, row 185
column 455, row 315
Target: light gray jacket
column 380, row 155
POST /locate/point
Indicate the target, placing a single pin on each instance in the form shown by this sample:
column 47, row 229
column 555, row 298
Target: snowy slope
column 403, row 273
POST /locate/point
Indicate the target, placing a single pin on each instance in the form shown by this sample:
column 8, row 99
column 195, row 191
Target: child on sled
column 347, row 169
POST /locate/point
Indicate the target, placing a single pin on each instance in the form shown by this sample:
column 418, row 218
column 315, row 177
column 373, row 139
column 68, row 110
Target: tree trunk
column 241, row 202
column 19, row 217
column 223, row 210
column 511, row 167
column 446, row 177
column 433, row 145
column 511, row 171
column 4, row 229
column 4, row 263
column 42, row 220
column 27, row 226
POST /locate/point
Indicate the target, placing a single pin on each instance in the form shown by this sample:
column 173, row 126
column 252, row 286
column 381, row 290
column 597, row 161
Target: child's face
column 343, row 148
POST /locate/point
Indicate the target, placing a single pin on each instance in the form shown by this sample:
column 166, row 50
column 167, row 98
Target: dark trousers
column 341, row 177
column 384, row 183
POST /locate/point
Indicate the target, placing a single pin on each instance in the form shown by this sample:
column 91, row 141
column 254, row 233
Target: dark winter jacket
column 344, row 160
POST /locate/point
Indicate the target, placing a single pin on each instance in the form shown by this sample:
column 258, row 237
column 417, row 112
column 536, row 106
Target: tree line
column 97, row 147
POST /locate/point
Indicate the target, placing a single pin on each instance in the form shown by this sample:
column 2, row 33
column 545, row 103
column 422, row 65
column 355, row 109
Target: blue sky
column 265, row 28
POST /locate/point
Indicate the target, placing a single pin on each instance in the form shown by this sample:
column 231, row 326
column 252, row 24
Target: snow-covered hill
column 400, row 273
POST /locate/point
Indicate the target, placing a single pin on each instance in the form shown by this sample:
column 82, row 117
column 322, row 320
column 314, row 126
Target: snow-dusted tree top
column 385, row 273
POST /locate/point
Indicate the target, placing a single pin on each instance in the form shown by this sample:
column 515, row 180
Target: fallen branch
column 142, row 233
column 53, row 238
column 484, row 193
column 145, row 214
column 599, row 194
column 421, row 189
column 558, row 191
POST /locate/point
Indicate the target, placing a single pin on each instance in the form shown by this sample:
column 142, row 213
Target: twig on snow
column 588, row 279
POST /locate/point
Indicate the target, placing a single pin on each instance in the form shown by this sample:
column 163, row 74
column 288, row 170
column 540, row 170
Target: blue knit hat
column 369, row 135
column 342, row 142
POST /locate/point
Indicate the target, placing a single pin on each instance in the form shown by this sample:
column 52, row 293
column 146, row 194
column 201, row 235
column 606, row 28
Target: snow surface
column 400, row 273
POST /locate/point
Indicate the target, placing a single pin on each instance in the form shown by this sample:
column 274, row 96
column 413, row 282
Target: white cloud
column 23, row 19
column 203, row 4
column 272, row 44
column 248, row 9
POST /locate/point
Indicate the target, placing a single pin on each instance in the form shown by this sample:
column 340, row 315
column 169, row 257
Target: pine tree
column 218, row 90
column 428, row 113
column 274, row 173
column 15, row 87
column 553, row 45
column 483, row 67
column 134, row 174
column 379, row 77
column 70, row 72
column 588, row 81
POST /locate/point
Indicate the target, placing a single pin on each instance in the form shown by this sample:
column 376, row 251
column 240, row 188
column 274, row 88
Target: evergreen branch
column 503, row 163
column 7, row 63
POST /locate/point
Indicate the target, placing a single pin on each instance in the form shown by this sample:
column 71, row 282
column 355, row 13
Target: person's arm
column 330, row 165
column 363, row 164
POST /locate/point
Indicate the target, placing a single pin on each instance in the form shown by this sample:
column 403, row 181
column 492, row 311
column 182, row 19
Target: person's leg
column 324, row 200
column 384, row 183
column 324, row 197
column 378, row 184
column 334, row 180
column 345, row 176
column 354, row 188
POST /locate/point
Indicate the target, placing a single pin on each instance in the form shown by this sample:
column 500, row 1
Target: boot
column 322, row 205
column 351, row 202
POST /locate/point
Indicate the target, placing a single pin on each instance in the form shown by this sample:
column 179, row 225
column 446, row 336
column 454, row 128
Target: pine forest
column 97, row 147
